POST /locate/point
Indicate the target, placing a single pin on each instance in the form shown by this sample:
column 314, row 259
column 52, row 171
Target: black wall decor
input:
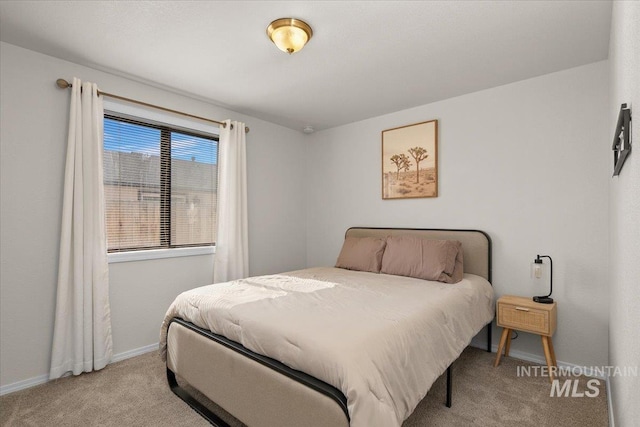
column 622, row 139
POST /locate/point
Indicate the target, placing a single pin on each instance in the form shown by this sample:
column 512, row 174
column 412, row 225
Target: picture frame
column 621, row 139
column 410, row 161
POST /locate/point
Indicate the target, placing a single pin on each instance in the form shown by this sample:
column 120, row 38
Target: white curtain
column 232, row 248
column 82, row 331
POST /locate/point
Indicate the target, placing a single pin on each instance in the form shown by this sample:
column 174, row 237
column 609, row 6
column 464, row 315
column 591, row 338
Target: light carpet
column 134, row 392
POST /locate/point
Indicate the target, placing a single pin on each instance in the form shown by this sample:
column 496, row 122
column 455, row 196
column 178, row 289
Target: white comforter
column 382, row 340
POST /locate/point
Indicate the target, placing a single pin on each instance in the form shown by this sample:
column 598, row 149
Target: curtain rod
column 63, row 84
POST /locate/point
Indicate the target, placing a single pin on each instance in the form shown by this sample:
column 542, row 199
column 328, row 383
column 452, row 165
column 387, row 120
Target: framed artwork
column 621, row 139
column 410, row 161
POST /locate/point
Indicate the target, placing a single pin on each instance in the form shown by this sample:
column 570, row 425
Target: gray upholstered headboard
column 476, row 244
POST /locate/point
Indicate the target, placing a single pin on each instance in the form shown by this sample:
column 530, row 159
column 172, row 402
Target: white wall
column 624, row 303
column 526, row 162
column 33, row 143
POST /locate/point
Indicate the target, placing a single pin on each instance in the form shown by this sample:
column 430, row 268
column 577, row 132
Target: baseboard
column 41, row 379
column 21, row 385
column 540, row 360
column 135, row 352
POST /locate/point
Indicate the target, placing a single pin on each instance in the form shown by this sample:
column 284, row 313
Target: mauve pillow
column 362, row 254
column 458, row 269
column 427, row 259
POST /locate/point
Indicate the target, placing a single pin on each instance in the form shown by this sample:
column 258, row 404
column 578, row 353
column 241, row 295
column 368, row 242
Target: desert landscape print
column 410, row 161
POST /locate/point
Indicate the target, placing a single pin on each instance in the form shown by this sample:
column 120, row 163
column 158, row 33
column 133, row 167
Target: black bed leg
column 195, row 405
column 489, row 330
column 449, row 385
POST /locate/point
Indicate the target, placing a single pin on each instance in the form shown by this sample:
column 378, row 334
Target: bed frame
column 258, row 390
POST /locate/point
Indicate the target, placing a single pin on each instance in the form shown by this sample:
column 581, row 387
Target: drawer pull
column 522, row 309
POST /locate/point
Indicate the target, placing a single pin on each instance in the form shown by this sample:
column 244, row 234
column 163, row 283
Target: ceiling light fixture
column 289, row 34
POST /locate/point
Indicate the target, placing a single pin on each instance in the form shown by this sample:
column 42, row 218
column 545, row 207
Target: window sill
column 159, row 254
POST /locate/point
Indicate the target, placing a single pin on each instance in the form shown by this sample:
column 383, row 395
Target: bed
column 258, row 363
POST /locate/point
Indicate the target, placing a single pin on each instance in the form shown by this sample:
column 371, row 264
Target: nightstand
column 522, row 314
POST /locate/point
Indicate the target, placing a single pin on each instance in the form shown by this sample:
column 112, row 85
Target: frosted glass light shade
column 289, row 35
column 536, row 270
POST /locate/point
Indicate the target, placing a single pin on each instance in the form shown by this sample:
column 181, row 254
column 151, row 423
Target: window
column 160, row 184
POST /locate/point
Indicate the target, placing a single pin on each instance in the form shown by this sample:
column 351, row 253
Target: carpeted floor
column 134, row 392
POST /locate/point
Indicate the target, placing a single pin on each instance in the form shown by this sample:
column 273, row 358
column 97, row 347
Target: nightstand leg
column 547, row 355
column 508, row 345
column 553, row 353
column 503, row 340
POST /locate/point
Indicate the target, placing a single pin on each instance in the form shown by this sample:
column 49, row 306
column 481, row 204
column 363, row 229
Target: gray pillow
column 362, row 254
column 440, row 260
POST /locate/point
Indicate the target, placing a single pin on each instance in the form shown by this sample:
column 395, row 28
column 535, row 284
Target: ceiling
column 365, row 59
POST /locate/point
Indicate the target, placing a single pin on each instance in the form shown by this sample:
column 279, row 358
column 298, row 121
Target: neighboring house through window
column 160, row 184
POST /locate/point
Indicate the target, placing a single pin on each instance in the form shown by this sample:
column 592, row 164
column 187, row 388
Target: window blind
column 160, row 185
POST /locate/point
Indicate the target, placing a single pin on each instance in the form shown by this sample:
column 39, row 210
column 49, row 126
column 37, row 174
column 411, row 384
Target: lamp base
column 543, row 300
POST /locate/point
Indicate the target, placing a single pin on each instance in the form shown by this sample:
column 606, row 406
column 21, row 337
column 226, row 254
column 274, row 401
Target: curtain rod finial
column 62, row 83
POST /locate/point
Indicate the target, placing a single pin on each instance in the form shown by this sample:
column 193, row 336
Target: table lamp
column 537, row 269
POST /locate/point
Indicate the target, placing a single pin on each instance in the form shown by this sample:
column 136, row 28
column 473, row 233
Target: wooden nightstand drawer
column 522, row 318
column 523, row 314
